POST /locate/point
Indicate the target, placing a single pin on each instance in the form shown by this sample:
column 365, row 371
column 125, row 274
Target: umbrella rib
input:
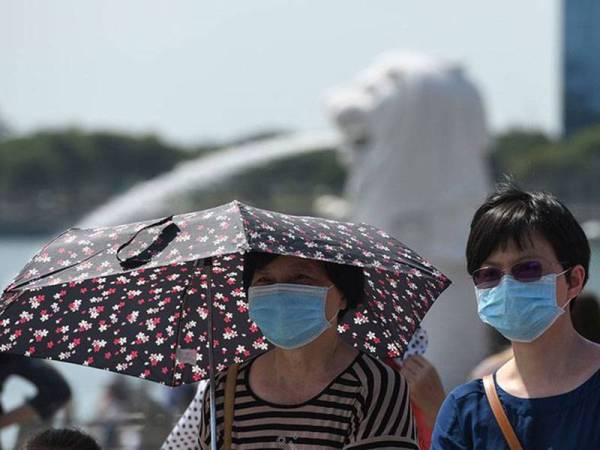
column 13, row 300
column 183, row 300
column 14, row 283
column 54, row 272
column 239, row 206
column 211, row 359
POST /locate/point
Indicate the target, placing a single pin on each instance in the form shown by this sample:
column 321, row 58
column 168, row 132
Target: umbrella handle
column 165, row 237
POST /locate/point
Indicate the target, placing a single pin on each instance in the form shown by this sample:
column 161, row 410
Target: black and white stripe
column 365, row 407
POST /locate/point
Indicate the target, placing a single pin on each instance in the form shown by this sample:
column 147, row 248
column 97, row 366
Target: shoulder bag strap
column 230, row 382
column 500, row 414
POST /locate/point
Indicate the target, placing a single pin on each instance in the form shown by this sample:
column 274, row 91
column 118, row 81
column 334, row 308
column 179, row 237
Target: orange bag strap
column 230, row 382
column 499, row 413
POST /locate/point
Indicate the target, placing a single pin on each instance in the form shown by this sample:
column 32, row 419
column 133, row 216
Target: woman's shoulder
column 377, row 364
column 465, row 398
column 376, row 373
column 460, row 413
column 473, row 390
column 384, row 400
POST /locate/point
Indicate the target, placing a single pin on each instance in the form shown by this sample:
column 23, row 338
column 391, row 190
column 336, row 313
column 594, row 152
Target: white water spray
column 148, row 199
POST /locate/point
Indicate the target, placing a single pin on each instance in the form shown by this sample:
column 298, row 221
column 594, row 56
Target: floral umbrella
column 138, row 299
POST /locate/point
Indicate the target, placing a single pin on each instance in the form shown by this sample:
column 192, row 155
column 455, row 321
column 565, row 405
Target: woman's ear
column 342, row 302
column 575, row 280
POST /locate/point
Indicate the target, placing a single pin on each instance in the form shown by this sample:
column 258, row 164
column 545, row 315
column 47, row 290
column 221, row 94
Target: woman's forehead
column 528, row 246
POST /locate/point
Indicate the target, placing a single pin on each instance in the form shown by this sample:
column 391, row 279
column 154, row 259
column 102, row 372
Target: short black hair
column 61, row 439
column 513, row 214
column 350, row 280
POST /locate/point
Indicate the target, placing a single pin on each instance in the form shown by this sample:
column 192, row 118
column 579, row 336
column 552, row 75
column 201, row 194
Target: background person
column 53, row 392
column 61, row 439
column 426, row 389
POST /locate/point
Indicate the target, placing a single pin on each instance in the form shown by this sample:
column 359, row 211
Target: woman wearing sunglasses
column 529, row 261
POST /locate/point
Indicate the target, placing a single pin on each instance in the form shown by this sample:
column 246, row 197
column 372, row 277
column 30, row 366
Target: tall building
column 581, row 64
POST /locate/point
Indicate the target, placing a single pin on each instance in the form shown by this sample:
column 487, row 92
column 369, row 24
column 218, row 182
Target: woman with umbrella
column 166, row 301
column 312, row 390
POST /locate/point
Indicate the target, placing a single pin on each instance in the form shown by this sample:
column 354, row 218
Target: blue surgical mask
column 520, row 311
column 289, row 315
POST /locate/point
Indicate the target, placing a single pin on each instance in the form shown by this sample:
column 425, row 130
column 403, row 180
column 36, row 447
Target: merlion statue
column 414, row 130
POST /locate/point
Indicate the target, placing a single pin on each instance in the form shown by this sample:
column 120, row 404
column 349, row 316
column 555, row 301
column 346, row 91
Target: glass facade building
column 581, row 64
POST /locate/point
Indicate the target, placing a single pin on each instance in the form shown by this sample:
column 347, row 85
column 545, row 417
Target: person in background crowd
column 53, row 392
column 529, row 260
column 114, row 407
column 61, row 439
column 426, row 395
column 426, row 389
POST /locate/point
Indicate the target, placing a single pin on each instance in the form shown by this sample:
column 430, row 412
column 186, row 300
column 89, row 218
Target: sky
column 195, row 70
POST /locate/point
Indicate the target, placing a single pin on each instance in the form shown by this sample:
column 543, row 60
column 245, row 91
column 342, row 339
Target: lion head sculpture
column 413, row 128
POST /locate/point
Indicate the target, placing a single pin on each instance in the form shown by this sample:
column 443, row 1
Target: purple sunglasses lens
column 527, row 271
column 487, row 277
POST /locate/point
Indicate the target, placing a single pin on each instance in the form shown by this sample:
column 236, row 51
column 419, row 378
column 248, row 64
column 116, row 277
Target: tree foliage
column 48, row 179
column 569, row 168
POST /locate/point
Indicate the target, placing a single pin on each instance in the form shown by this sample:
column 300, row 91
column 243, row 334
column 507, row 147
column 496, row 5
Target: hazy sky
column 191, row 70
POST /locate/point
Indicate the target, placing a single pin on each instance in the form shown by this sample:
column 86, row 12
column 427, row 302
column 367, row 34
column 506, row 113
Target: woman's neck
column 294, row 376
column 319, row 357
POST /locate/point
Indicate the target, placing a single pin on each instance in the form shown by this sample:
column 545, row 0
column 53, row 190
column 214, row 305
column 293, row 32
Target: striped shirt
column 365, row 407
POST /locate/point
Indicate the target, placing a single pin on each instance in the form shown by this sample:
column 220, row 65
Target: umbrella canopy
column 135, row 299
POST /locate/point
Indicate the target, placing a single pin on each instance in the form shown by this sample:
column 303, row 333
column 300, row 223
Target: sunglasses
column 526, row 272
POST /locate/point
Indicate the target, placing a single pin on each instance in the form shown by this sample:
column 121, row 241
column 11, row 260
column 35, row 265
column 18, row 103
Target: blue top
column 566, row 421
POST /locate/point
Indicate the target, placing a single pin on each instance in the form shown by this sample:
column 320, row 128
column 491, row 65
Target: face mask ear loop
column 564, row 308
column 563, row 272
column 333, row 318
column 336, row 313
